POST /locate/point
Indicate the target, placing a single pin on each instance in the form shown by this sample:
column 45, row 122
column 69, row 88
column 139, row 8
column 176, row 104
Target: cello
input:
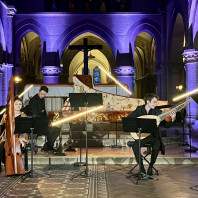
column 13, row 156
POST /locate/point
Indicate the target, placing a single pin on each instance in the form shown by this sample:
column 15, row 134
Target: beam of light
column 75, row 116
column 19, row 97
column 25, row 91
column 2, row 111
column 116, row 81
column 185, row 95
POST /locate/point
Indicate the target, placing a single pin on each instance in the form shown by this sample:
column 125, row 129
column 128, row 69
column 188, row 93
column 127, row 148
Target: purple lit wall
column 6, row 32
column 112, row 28
column 109, row 27
column 118, row 30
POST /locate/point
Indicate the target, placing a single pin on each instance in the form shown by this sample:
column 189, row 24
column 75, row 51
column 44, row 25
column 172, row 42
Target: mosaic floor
column 65, row 181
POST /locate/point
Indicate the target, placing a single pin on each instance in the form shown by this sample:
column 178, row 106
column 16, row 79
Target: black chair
column 144, row 157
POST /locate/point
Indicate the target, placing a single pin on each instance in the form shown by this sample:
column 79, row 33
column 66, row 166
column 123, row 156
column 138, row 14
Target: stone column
column 7, row 73
column 125, row 75
column 191, row 67
column 1, row 85
column 11, row 11
column 51, row 74
column 7, row 66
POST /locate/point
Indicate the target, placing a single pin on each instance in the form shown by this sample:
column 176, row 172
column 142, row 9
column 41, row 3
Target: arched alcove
column 31, row 58
column 176, row 66
column 72, row 60
column 144, row 61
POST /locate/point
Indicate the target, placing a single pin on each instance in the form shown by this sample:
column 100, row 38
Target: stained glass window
column 96, row 75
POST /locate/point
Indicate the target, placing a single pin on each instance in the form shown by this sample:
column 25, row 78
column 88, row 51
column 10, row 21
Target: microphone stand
column 190, row 148
column 183, row 116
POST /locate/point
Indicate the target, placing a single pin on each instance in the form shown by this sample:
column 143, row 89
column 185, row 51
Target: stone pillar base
column 51, row 74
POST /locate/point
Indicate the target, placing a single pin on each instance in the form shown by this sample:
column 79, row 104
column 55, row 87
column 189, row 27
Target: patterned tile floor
column 173, row 181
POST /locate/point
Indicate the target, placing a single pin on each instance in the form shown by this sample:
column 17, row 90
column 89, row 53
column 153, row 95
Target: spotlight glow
column 116, row 81
column 185, row 95
column 75, row 116
column 17, row 79
column 2, row 111
column 26, row 91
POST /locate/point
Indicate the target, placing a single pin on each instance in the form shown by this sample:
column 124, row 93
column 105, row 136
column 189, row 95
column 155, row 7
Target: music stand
column 23, row 125
column 139, row 125
column 86, row 100
column 27, row 125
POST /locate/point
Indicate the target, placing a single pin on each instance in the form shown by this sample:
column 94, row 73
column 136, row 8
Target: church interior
column 98, row 60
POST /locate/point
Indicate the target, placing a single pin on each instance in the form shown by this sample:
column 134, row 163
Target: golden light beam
column 25, row 91
column 185, row 95
column 116, row 81
column 75, row 116
column 19, row 97
column 2, row 111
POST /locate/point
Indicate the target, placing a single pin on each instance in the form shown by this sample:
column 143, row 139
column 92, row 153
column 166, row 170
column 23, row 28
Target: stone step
column 38, row 160
column 94, row 141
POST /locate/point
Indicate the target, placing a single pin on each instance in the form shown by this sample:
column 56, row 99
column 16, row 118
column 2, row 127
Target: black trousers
column 52, row 134
column 41, row 127
column 155, row 145
column 2, row 152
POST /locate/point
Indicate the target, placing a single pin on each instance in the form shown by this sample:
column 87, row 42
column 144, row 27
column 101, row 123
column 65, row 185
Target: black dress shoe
column 150, row 171
column 44, row 148
column 143, row 169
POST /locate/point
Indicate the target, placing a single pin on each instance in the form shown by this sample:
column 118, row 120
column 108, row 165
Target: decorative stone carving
column 51, row 70
column 190, row 56
column 124, row 70
column 11, row 11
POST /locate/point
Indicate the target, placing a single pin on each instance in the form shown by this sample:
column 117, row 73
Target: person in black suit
column 154, row 139
column 37, row 107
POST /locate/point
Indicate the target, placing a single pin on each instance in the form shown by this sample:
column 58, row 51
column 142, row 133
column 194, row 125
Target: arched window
column 96, row 75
